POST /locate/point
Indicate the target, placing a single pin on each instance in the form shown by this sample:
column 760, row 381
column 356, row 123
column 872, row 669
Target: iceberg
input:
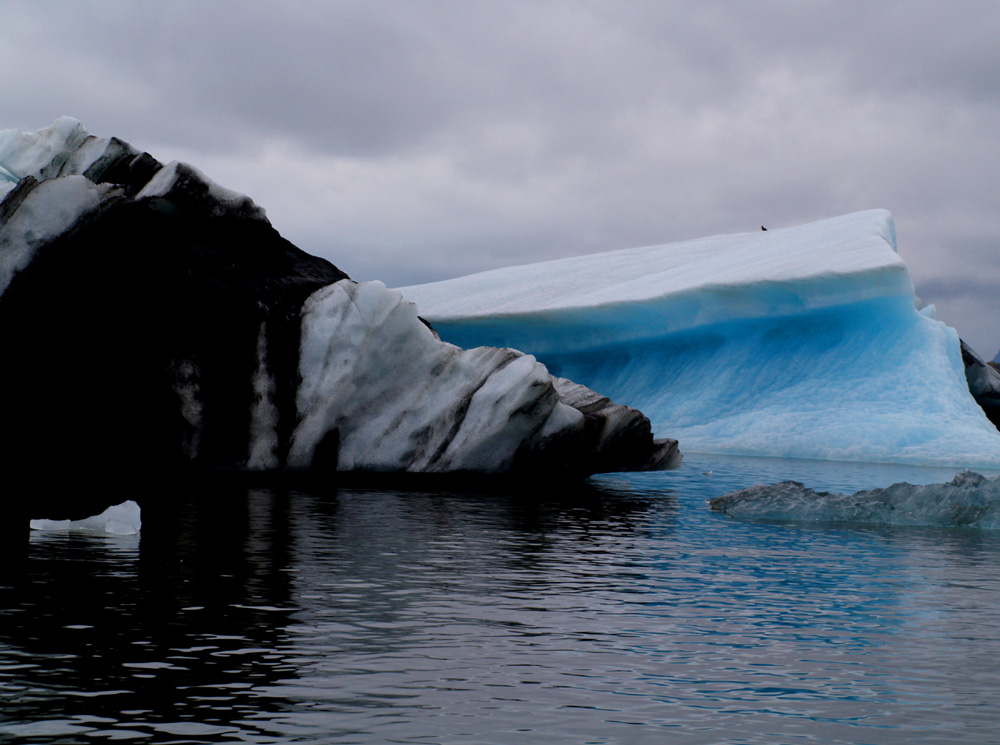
column 154, row 321
column 969, row 500
column 119, row 519
column 802, row 342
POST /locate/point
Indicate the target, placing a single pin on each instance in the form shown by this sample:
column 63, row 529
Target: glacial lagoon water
column 617, row 611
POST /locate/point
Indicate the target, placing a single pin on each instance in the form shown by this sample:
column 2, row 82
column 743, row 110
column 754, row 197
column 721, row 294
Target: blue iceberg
column 804, row 342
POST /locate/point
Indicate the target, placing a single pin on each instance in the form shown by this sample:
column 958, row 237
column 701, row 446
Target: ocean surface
column 619, row 610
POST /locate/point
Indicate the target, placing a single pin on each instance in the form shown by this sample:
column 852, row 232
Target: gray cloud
column 414, row 141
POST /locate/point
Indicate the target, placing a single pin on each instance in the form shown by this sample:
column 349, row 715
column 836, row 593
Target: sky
column 416, row 140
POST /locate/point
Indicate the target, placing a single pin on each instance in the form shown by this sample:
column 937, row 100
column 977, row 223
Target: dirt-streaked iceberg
column 154, row 321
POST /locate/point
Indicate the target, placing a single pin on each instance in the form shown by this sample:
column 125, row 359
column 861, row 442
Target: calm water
column 620, row 610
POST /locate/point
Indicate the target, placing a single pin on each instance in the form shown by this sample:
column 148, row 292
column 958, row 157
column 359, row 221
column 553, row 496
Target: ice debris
column 969, row 500
column 120, row 519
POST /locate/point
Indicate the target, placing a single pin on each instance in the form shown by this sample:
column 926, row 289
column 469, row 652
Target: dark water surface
column 620, row 610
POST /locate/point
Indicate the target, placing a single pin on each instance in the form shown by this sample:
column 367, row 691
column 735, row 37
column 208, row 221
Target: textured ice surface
column 968, row 500
column 67, row 149
column 46, row 212
column 799, row 342
column 120, row 519
column 176, row 175
column 43, row 153
column 397, row 396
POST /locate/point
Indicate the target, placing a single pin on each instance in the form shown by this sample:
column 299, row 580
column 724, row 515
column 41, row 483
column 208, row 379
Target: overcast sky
column 412, row 141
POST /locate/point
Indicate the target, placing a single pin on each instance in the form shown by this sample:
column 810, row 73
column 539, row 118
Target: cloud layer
column 415, row 141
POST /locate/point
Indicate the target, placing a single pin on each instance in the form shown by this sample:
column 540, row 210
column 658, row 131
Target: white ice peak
column 66, row 149
column 34, row 153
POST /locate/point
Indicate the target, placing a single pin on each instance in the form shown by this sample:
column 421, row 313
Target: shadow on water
column 196, row 628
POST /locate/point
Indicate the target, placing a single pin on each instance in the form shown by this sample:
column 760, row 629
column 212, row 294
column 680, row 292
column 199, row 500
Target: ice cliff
column 154, row 321
column 799, row 342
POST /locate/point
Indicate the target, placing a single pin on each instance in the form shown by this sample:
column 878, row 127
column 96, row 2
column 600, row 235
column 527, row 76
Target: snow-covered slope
column 798, row 342
column 153, row 320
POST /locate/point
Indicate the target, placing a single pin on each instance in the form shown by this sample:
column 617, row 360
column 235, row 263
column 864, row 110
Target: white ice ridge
column 120, row 519
column 645, row 292
column 797, row 342
column 397, row 397
column 66, row 148
column 41, row 154
column 223, row 200
column 968, row 500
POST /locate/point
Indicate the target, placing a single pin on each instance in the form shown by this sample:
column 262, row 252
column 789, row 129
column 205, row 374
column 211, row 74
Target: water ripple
column 621, row 611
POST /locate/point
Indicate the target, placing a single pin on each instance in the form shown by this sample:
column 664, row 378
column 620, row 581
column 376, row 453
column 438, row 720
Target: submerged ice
column 968, row 500
column 804, row 342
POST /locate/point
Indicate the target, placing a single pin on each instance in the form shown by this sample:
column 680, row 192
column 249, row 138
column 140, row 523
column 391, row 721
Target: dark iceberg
column 984, row 382
column 153, row 322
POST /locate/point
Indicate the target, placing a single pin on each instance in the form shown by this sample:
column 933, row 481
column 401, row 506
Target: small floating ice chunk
column 969, row 500
column 121, row 519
